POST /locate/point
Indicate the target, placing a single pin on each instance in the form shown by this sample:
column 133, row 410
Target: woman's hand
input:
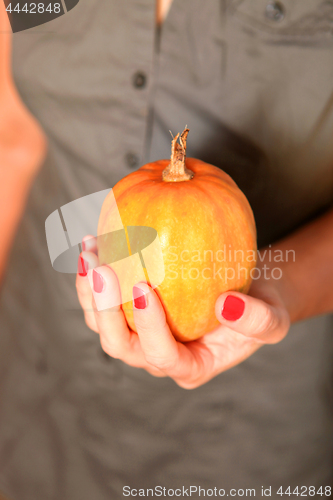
column 246, row 323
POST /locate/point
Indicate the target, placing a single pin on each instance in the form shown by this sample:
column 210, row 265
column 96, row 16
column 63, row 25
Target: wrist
column 23, row 145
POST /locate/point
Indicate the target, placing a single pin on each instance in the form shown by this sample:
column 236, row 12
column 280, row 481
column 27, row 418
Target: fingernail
column 233, row 308
column 83, row 245
column 83, row 266
column 139, row 298
column 98, row 282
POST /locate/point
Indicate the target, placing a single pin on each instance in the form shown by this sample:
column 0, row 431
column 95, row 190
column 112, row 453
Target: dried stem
column 176, row 170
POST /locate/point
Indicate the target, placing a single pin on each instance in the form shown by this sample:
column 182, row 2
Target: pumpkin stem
column 176, row 170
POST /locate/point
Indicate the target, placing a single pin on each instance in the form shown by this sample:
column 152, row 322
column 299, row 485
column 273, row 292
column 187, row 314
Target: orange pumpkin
column 206, row 232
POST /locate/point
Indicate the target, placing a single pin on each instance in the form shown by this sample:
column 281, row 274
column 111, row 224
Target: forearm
column 307, row 269
column 22, row 149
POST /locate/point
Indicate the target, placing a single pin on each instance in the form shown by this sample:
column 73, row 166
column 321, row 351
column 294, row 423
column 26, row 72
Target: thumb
column 266, row 321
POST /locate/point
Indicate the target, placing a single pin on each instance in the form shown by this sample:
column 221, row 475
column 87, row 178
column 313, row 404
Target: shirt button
column 139, row 80
column 132, row 160
column 274, row 11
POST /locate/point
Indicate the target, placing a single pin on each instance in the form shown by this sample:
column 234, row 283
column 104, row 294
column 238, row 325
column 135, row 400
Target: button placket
column 139, row 79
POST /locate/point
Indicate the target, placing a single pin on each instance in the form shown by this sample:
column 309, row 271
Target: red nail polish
column 98, row 282
column 83, row 245
column 82, row 266
column 140, row 300
column 233, row 308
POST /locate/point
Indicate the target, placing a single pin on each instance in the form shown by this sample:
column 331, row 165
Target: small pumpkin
column 206, row 231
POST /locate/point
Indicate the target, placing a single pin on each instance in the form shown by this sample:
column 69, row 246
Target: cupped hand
column 246, row 323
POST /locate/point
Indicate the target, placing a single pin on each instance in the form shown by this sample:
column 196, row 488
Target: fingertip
column 233, row 308
column 89, row 243
column 101, row 278
column 86, row 262
column 147, row 307
column 98, row 281
column 82, row 267
column 250, row 316
column 144, row 287
column 230, row 306
column 105, row 287
column 140, row 295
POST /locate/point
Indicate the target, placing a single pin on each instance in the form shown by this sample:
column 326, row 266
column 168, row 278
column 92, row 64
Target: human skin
column 162, row 9
column 22, row 147
column 304, row 290
column 23, row 143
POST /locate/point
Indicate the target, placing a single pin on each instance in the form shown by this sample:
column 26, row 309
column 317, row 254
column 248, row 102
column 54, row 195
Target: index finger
column 159, row 346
